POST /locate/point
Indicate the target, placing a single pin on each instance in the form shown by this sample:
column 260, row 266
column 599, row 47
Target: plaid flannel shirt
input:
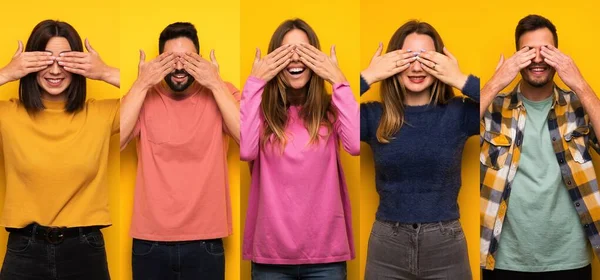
column 501, row 137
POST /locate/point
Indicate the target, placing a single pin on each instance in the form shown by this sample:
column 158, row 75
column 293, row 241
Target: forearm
column 229, row 107
column 591, row 104
column 488, row 93
column 131, row 106
column 3, row 78
column 112, row 76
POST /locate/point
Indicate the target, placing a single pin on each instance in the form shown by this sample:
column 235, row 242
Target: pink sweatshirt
column 299, row 208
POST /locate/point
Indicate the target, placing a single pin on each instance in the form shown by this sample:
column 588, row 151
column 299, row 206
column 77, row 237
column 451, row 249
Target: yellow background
column 457, row 25
column 102, row 29
column 576, row 26
column 335, row 22
column 218, row 25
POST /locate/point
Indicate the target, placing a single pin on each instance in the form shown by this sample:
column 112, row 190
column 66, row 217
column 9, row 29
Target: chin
column 414, row 87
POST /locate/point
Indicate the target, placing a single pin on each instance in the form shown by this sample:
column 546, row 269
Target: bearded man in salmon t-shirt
column 182, row 113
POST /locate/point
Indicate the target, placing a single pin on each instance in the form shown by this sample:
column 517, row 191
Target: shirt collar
column 516, row 99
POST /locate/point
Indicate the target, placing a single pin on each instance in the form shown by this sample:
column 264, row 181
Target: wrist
column 3, row 78
column 215, row 84
column 108, row 74
column 338, row 80
column 367, row 76
column 460, row 81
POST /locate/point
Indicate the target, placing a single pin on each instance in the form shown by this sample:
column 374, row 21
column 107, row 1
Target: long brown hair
column 316, row 110
column 393, row 91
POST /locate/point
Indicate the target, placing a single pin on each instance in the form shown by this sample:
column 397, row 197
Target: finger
column 166, row 70
column 309, row 63
column 283, row 59
column 166, row 58
column 284, row 64
column 72, row 59
column 192, row 70
column 191, row 60
column 74, row 70
column 551, row 62
column 378, row 51
column 429, row 64
column 528, row 57
column 310, row 51
column 37, row 56
column 19, row 48
column 213, row 58
column 73, row 54
column 303, row 52
column 433, row 56
column 257, row 56
column 39, row 63
column 88, row 46
column 500, row 62
column 277, row 56
column 449, row 54
column 71, row 65
column 402, row 65
column 333, row 54
column 37, row 69
column 525, row 64
column 142, row 57
column 278, row 51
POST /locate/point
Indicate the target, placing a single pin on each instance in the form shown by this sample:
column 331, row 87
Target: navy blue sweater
column 418, row 173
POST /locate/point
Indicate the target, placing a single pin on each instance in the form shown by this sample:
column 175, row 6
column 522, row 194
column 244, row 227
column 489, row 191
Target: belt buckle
column 55, row 235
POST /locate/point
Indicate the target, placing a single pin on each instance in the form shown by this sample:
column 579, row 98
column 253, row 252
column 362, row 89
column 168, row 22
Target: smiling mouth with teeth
column 296, row 70
column 54, row 81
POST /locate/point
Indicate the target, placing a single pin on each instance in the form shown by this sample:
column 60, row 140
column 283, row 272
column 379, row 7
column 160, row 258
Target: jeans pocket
column 214, row 248
column 142, row 248
column 453, row 229
column 18, row 243
column 95, row 240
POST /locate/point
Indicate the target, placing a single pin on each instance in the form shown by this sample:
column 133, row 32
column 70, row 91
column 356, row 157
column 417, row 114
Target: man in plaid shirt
column 538, row 186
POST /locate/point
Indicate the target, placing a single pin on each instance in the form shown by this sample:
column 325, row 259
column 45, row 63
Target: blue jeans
column 75, row 258
column 329, row 271
column 184, row 260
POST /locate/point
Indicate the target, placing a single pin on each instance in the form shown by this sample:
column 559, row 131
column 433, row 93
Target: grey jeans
column 417, row 251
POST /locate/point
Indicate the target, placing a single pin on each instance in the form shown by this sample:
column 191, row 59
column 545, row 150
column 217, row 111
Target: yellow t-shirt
column 56, row 163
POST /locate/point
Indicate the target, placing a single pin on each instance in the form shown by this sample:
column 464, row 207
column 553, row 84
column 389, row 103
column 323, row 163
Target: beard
column 179, row 86
column 540, row 81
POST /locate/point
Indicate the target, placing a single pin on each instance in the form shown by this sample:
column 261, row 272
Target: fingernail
column 422, row 50
column 60, row 63
column 408, row 50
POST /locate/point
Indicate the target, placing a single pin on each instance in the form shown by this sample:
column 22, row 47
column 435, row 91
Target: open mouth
column 296, row 71
column 54, row 82
column 416, row 79
column 537, row 70
column 179, row 78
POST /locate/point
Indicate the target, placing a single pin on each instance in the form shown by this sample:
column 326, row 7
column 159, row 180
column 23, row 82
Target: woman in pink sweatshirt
column 298, row 223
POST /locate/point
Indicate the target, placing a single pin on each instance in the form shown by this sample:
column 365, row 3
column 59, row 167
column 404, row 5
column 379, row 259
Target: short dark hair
column 178, row 30
column 532, row 23
column 29, row 91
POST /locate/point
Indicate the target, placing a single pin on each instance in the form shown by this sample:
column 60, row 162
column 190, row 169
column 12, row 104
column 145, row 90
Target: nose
column 295, row 56
column 54, row 68
column 538, row 55
column 178, row 65
column 416, row 66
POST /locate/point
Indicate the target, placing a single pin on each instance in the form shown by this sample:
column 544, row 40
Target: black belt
column 53, row 235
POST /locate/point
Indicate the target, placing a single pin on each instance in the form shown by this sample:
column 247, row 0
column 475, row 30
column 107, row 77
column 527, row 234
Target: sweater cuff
column 471, row 88
column 364, row 86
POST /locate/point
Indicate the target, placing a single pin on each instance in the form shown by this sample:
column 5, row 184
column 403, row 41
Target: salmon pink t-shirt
column 182, row 189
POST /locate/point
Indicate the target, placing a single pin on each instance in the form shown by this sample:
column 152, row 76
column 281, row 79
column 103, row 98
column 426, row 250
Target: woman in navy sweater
column 417, row 133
